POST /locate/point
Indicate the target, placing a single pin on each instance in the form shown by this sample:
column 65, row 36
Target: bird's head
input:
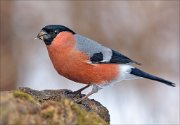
column 49, row 32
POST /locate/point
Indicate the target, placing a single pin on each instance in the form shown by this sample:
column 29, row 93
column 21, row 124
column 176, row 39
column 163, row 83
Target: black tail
column 140, row 73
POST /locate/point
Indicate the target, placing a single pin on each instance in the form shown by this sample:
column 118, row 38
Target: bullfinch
column 85, row 61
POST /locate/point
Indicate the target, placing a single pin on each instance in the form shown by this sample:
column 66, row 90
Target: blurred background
column 146, row 31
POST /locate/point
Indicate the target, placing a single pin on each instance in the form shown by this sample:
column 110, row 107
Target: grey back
column 91, row 47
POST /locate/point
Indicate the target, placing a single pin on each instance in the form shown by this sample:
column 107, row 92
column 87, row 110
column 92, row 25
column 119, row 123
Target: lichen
column 19, row 107
column 84, row 117
column 22, row 95
column 48, row 112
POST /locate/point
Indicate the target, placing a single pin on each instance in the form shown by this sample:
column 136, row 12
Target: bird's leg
column 80, row 90
column 94, row 90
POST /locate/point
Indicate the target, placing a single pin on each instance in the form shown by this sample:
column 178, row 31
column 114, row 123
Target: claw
column 78, row 92
column 79, row 100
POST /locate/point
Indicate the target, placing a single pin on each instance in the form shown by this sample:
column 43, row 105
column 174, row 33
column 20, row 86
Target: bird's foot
column 79, row 100
column 78, row 92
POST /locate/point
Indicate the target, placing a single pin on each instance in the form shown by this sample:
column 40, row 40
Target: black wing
column 119, row 58
column 97, row 57
column 116, row 57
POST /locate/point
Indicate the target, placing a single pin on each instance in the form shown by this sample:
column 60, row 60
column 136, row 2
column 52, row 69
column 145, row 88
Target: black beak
column 41, row 35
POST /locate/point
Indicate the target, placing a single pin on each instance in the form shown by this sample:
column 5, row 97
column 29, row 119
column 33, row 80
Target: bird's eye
column 56, row 32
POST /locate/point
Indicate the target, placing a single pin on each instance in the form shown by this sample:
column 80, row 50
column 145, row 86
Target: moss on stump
column 52, row 107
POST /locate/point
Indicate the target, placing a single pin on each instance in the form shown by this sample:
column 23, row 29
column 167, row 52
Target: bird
column 86, row 61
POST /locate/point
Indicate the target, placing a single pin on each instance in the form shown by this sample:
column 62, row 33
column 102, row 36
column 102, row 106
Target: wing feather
column 100, row 54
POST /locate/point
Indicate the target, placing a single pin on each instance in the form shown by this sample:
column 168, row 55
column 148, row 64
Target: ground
column 28, row 106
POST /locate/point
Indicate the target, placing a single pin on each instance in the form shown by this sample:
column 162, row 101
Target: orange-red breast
column 83, row 60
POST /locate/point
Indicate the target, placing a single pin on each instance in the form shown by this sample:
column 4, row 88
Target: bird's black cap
column 49, row 32
column 59, row 28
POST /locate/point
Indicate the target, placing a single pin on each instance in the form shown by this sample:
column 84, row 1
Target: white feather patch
column 125, row 72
